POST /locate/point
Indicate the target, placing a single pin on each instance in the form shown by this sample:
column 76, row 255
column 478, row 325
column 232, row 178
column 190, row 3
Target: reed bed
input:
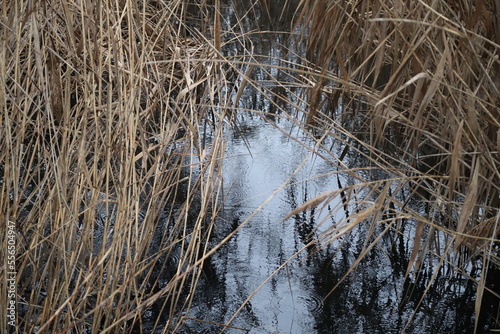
column 109, row 164
column 114, row 114
column 415, row 87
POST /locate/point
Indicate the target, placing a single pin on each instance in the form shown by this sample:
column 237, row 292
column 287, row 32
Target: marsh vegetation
column 369, row 131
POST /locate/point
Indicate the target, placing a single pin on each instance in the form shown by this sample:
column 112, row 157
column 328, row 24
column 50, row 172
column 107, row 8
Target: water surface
column 265, row 279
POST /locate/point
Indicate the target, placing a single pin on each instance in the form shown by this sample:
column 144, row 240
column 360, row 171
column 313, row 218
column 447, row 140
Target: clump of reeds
column 416, row 85
column 105, row 171
column 112, row 185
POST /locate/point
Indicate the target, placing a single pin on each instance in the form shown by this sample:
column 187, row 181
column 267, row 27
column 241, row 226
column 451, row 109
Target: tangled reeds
column 105, row 172
column 417, row 84
column 426, row 74
column 113, row 116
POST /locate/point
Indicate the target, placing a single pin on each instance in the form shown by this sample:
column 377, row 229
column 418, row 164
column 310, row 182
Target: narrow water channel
column 268, row 166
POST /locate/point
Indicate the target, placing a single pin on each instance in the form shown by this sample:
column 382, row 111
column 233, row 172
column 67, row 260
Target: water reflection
column 299, row 299
column 251, row 285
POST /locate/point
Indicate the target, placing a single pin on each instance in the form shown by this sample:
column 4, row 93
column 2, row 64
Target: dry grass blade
column 314, row 202
column 417, row 241
column 469, row 202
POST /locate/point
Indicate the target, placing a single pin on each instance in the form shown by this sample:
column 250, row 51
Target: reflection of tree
column 376, row 297
column 304, row 222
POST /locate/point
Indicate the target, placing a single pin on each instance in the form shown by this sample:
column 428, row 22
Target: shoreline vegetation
column 114, row 120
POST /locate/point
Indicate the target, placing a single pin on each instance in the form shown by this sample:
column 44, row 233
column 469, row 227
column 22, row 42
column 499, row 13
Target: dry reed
column 105, row 171
column 417, row 86
column 114, row 189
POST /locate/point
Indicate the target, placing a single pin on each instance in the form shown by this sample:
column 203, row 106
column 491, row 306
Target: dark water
column 265, row 279
column 290, row 296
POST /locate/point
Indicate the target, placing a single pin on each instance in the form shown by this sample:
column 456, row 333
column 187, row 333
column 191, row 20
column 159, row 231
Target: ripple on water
column 314, row 303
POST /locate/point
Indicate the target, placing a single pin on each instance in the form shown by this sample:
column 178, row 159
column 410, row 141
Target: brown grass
column 418, row 85
column 105, row 171
column 114, row 187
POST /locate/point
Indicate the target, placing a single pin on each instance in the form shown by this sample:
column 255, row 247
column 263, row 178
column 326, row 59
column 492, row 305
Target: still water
column 265, row 279
column 283, row 285
column 288, row 296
